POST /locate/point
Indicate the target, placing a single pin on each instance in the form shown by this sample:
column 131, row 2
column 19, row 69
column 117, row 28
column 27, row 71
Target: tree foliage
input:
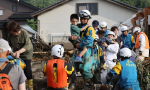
column 44, row 3
column 33, row 24
column 137, row 3
column 41, row 3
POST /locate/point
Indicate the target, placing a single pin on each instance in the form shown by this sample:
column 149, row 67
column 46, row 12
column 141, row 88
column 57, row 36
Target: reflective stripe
column 117, row 68
column 98, row 53
column 132, row 39
column 69, row 72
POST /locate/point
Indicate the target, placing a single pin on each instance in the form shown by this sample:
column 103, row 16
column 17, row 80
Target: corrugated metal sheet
column 29, row 29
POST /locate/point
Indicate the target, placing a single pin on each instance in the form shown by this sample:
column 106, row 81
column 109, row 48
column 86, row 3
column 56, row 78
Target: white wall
column 58, row 19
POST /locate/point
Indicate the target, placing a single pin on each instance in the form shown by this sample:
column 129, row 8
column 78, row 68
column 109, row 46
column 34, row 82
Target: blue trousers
column 132, row 87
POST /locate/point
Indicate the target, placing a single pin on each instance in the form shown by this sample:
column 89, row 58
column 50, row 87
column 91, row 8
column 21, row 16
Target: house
column 17, row 10
column 54, row 20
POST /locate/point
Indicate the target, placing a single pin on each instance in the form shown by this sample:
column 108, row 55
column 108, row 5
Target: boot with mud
column 30, row 84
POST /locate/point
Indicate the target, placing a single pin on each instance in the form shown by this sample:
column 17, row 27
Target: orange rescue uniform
column 137, row 45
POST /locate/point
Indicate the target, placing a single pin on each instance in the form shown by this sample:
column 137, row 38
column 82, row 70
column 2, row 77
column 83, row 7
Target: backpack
column 18, row 61
column 5, row 83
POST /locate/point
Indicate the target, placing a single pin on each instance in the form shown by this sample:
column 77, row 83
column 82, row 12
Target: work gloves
column 140, row 52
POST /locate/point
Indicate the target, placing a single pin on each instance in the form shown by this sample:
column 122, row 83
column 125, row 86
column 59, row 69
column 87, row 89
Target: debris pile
column 143, row 73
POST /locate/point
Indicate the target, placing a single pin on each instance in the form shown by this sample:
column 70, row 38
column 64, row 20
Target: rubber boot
column 30, row 84
column 72, row 85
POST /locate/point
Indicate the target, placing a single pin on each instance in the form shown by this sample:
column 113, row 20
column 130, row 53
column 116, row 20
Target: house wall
column 6, row 6
column 58, row 20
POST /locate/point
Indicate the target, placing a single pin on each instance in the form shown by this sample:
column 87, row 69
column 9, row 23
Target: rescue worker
column 20, row 42
column 127, row 71
column 111, row 54
column 141, row 44
column 58, row 71
column 87, row 37
column 99, row 60
column 95, row 25
column 127, row 38
column 103, row 26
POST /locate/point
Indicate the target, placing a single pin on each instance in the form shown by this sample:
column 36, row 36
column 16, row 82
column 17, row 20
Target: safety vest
column 128, row 73
column 61, row 74
column 127, row 40
column 146, row 41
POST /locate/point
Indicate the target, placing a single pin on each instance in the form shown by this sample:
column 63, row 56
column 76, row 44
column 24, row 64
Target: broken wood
column 40, row 52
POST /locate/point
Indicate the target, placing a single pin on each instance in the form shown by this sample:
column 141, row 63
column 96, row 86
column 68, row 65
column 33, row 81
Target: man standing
column 95, row 25
column 141, row 44
column 127, row 38
column 87, row 38
column 103, row 26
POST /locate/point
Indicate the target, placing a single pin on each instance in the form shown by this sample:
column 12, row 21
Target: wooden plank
column 148, row 10
column 40, row 52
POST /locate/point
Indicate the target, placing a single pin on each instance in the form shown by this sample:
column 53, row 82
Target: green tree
column 137, row 3
column 33, row 24
column 41, row 3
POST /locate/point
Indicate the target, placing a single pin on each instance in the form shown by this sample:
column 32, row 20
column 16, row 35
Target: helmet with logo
column 57, row 50
column 96, row 38
column 85, row 14
column 125, row 52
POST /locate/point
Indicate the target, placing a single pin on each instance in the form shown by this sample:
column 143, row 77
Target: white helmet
column 57, row 50
column 136, row 29
column 112, row 33
column 85, row 14
column 96, row 37
column 125, row 52
column 103, row 24
column 124, row 28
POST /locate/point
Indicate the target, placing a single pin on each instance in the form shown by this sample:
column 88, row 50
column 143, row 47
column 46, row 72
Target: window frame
column 86, row 5
column 3, row 12
column 12, row 8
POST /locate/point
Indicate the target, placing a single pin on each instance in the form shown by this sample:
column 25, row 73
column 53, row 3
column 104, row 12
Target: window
column 92, row 7
column 1, row 12
column 14, row 8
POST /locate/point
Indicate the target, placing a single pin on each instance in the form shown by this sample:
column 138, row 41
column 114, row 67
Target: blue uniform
column 98, row 55
column 106, row 33
column 128, row 40
column 128, row 74
column 87, row 37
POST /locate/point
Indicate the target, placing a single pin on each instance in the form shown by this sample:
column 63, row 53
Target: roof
column 21, row 15
column 2, row 22
column 27, row 28
column 123, row 4
column 21, row 2
column 65, row 1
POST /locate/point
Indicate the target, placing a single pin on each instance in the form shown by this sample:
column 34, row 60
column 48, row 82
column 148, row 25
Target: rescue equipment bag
column 18, row 61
